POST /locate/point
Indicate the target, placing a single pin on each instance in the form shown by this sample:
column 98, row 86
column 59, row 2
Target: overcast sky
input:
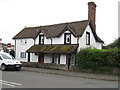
column 16, row 14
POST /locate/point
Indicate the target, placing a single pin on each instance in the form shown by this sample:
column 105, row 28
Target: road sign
column 9, row 45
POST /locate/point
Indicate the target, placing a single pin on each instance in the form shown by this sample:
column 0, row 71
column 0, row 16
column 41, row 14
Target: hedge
column 95, row 59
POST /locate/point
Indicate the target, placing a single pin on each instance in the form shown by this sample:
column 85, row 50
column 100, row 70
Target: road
column 26, row 79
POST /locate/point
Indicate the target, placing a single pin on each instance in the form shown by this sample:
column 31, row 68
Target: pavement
column 105, row 77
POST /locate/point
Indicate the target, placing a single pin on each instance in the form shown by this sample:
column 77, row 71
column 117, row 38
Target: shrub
column 103, row 69
column 115, row 43
column 94, row 58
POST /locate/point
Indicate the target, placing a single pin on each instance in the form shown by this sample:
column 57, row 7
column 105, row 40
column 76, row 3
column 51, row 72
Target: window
column 41, row 39
column 5, row 56
column 67, row 39
column 87, row 38
column 22, row 55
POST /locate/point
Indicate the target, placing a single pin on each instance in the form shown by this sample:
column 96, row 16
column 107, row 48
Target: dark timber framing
column 28, row 56
column 65, row 37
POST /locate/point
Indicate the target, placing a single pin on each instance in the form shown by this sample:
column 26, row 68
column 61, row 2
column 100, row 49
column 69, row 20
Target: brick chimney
column 92, row 13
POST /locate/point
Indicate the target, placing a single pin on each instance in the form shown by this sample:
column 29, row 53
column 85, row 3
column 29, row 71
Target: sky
column 18, row 14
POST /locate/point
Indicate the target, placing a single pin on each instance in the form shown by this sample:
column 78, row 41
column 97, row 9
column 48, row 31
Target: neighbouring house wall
column 93, row 43
column 21, row 46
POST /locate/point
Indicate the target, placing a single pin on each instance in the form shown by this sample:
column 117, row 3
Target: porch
column 58, row 54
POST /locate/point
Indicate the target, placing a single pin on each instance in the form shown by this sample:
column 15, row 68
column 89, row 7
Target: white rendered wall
column 62, row 59
column 73, row 39
column 93, row 43
column 99, row 45
column 33, row 57
column 37, row 40
column 46, row 40
column 47, row 58
column 22, row 47
column 57, row 40
column 60, row 40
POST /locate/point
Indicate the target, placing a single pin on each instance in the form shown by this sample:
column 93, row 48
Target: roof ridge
column 66, row 23
column 58, row 24
column 32, row 27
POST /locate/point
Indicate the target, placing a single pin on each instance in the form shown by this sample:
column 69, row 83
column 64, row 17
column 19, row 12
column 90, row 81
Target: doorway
column 41, row 58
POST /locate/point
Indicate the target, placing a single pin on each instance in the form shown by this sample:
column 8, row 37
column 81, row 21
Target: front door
column 41, row 59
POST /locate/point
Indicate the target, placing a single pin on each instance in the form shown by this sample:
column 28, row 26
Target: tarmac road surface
column 27, row 79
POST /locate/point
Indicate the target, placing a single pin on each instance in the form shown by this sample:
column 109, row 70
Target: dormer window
column 67, row 39
column 41, row 39
column 87, row 38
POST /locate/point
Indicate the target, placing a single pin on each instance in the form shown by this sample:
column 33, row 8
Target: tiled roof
column 31, row 32
column 52, row 48
column 77, row 28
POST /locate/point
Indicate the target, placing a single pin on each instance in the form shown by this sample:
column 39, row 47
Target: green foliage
column 104, row 69
column 116, row 43
column 94, row 58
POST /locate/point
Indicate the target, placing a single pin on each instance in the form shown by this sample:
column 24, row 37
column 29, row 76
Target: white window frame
column 22, row 55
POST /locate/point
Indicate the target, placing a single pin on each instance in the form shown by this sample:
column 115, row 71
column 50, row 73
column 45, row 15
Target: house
column 57, row 43
column 7, row 48
column 3, row 47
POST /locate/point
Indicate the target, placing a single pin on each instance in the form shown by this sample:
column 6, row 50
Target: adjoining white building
column 57, row 43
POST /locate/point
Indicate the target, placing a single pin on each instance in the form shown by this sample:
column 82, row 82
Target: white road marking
column 7, row 84
column 12, row 84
